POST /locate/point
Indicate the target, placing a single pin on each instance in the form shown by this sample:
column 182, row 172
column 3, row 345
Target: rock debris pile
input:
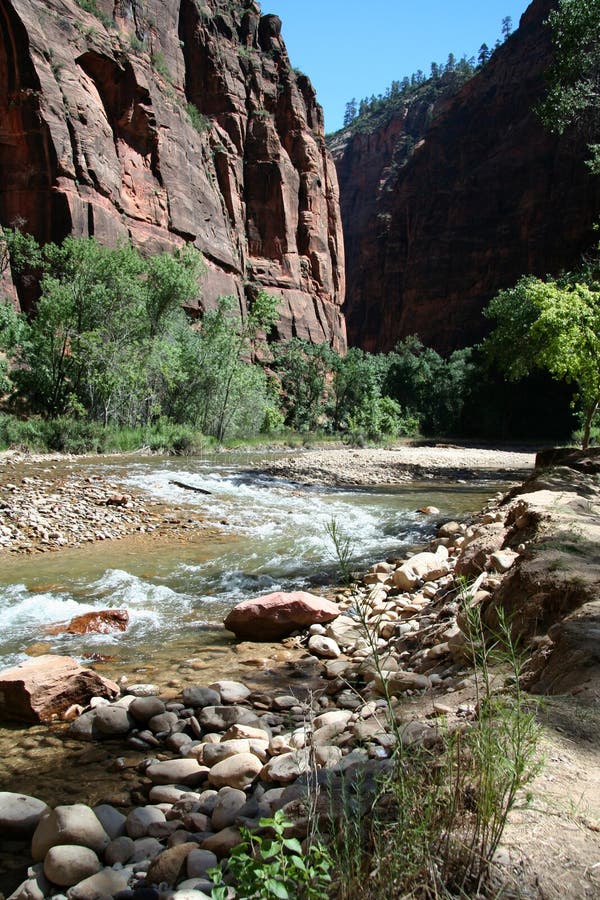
column 39, row 514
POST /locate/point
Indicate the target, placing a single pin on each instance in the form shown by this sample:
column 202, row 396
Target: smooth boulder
column 76, row 824
column 20, row 814
column 277, row 615
column 422, row 567
column 238, row 771
column 68, row 864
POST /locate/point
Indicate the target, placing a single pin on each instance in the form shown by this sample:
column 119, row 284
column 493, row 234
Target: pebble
column 324, row 647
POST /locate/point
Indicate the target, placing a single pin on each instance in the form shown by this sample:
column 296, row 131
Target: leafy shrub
column 62, row 434
column 273, row 422
column 91, row 7
column 159, row 65
column 442, row 809
column 264, row 867
column 200, row 122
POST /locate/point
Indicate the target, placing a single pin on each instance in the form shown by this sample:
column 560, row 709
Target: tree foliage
column 554, row 326
column 218, row 388
column 110, row 345
column 104, row 318
column 573, row 97
column 429, row 387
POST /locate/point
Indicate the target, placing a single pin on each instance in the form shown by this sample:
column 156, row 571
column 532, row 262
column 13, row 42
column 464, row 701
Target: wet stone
column 144, row 708
column 197, row 696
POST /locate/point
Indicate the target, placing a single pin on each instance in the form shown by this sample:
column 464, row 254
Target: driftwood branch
column 190, row 487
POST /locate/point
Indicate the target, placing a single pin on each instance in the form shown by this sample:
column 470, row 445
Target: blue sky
column 355, row 48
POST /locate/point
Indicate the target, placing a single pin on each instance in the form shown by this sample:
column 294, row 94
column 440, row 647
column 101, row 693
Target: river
column 269, row 535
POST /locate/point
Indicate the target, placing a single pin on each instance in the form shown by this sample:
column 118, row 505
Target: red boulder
column 41, row 689
column 275, row 616
column 104, row 621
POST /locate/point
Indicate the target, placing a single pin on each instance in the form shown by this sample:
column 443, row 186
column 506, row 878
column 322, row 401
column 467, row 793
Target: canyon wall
column 448, row 202
column 173, row 121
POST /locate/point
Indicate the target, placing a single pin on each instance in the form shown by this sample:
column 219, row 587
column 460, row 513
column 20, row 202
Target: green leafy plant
column 200, row 122
column 136, row 43
column 573, row 98
column 92, row 7
column 159, row 65
column 275, row 866
column 554, row 326
column 442, row 809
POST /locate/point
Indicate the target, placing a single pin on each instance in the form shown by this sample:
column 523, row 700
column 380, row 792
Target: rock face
column 170, row 122
column 39, row 689
column 443, row 206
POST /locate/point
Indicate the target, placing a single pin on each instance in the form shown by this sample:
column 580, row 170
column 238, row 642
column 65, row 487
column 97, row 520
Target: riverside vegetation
column 111, row 360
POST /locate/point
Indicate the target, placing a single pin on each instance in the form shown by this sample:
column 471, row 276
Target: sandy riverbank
column 47, row 504
column 353, row 466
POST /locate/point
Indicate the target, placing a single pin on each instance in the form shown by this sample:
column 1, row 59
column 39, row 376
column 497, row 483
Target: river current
column 270, row 535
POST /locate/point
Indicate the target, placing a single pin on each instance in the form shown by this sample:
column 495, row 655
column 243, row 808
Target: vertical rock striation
column 171, row 121
column 446, row 204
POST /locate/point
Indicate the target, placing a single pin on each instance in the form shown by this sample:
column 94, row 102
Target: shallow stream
column 270, row 535
column 262, row 534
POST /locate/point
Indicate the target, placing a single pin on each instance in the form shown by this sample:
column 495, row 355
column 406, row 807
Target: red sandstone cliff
column 96, row 138
column 485, row 196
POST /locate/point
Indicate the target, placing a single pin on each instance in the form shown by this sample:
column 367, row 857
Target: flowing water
column 272, row 535
column 262, row 534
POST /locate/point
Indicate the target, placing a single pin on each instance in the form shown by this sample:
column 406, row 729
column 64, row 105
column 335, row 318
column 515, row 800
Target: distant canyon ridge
column 448, row 202
column 169, row 121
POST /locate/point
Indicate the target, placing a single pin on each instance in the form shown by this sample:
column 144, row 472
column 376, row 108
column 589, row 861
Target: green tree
column 350, row 112
column 553, row 326
column 101, row 323
column 432, row 389
column 356, row 382
column 303, row 371
column 484, row 54
column 217, row 387
column 573, row 97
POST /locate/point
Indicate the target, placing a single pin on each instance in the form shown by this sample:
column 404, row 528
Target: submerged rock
column 103, row 621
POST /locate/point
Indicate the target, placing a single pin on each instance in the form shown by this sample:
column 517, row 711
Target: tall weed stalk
column 441, row 813
column 343, row 547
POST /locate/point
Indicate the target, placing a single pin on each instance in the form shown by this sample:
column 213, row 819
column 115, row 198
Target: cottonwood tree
column 552, row 326
column 102, row 323
column 218, row 388
column 573, row 97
